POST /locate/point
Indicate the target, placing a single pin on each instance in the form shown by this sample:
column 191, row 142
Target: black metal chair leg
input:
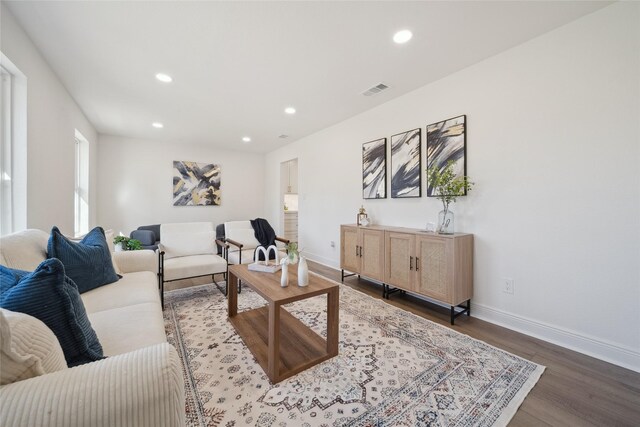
column 162, row 292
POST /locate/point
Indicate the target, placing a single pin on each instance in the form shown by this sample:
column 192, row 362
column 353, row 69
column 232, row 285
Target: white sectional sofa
column 140, row 382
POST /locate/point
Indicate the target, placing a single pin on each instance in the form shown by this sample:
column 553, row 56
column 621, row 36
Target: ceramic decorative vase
column 284, row 278
column 303, row 272
column 119, row 247
column 445, row 222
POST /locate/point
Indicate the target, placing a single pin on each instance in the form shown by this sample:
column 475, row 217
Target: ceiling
column 237, row 65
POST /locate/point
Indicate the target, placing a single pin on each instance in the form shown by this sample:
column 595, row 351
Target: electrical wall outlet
column 333, row 244
column 508, row 286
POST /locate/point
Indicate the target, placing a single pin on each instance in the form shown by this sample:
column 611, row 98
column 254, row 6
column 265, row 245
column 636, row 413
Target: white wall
column 52, row 118
column 135, row 183
column 553, row 146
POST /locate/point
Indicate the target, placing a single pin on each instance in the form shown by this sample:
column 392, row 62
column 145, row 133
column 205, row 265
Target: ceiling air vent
column 375, row 89
column 283, row 136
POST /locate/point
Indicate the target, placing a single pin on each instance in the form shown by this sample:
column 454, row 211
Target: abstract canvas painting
column 406, row 177
column 196, row 184
column 446, row 141
column 374, row 169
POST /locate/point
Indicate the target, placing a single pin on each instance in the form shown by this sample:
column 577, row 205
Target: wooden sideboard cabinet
column 433, row 265
column 362, row 251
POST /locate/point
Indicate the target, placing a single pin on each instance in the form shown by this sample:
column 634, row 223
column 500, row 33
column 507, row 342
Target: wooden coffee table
column 282, row 344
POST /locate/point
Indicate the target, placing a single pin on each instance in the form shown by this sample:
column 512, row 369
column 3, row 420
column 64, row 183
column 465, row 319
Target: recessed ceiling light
column 157, row 125
column 290, row 110
column 165, row 78
column 402, row 36
column 246, row 139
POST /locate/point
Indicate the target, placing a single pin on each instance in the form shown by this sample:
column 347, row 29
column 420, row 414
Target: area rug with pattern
column 393, row 369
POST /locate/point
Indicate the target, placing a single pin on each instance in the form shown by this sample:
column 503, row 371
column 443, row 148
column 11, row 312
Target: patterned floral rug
column 394, row 369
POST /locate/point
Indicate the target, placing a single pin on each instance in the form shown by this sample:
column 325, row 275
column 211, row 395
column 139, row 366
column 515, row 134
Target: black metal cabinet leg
column 468, row 308
column 453, row 314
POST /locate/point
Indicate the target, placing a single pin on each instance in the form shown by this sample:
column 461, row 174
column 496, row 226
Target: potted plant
column 124, row 243
column 292, row 253
column 134, row 245
column 291, row 259
column 447, row 187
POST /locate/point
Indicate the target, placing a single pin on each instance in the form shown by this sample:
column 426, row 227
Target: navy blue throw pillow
column 88, row 262
column 49, row 295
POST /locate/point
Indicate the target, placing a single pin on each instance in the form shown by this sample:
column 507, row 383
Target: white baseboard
column 322, row 260
column 609, row 352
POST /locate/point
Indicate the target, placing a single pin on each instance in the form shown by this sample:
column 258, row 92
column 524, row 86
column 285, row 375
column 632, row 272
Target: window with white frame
column 13, row 147
column 81, row 196
column 6, row 197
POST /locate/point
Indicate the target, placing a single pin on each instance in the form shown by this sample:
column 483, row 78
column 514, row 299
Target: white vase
column 284, row 278
column 118, row 247
column 303, row 272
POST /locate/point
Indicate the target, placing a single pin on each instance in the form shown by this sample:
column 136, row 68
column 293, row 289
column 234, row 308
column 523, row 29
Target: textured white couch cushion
column 185, row 239
column 143, row 388
column 192, row 266
column 241, row 232
column 28, row 348
column 124, row 329
column 134, row 288
column 24, row 250
column 132, row 261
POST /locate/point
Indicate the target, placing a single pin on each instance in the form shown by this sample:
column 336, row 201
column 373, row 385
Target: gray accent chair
column 149, row 236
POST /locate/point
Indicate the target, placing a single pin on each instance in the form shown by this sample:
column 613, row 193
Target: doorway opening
column 289, row 199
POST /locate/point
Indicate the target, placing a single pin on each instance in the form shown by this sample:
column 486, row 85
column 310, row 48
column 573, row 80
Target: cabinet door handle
column 357, row 250
column 417, row 261
column 410, row 263
column 361, row 251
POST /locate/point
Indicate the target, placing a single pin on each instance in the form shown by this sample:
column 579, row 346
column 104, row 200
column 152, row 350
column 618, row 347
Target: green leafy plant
column 134, row 245
column 447, row 186
column 121, row 239
column 128, row 244
column 292, row 252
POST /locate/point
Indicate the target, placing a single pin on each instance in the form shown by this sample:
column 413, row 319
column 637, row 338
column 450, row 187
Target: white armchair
column 188, row 250
column 240, row 244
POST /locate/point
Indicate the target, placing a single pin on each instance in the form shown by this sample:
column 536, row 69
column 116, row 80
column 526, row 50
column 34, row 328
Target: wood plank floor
column 575, row 390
